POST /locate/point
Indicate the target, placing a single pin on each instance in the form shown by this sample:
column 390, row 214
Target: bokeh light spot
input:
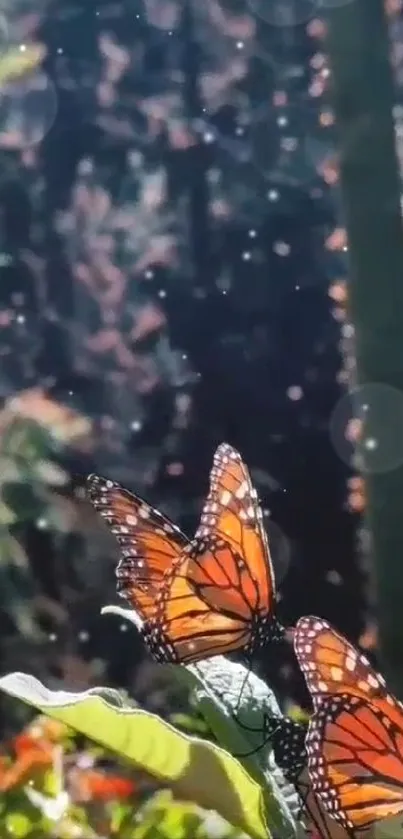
column 366, row 428
column 28, row 109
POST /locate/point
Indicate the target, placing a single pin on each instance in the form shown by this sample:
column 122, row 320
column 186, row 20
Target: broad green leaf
column 234, row 701
column 194, row 769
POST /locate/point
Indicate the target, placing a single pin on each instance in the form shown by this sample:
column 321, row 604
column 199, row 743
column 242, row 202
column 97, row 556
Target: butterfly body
column 212, row 595
column 288, row 742
column 355, row 736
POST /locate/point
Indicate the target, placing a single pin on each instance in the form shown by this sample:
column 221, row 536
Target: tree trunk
column 363, row 92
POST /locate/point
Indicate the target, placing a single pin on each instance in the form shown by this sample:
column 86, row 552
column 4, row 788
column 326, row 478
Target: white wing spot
column 351, row 661
column 318, row 625
column 226, row 497
column 242, row 491
column 336, row 674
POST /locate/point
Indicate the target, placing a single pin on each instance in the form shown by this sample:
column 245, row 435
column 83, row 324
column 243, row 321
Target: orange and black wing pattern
column 331, row 665
column 202, row 598
column 229, row 565
column 288, row 741
column 185, row 628
column 355, row 736
column 176, row 625
column 149, row 542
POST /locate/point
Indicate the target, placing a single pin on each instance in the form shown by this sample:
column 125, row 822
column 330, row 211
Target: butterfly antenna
column 270, row 724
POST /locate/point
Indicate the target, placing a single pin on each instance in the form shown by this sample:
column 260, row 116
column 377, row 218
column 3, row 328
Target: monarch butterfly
column 288, row 742
column 355, row 736
column 203, row 597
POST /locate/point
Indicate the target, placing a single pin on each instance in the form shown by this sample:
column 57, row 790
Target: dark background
column 168, row 259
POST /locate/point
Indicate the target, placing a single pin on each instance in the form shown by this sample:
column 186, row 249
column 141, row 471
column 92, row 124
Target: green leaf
column 195, row 770
column 192, row 725
column 226, row 693
column 166, row 818
column 18, row 824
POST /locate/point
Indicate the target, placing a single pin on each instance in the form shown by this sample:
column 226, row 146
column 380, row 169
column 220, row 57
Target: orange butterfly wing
column 187, row 627
column 229, row 566
column 149, row 542
column 177, row 626
column 355, row 761
column 288, row 741
column 331, row 665
column 208, row 597
column 355, row 736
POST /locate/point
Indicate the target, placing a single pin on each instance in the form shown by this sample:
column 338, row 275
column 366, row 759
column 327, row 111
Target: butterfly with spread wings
column 204, row 597
column 355, row 736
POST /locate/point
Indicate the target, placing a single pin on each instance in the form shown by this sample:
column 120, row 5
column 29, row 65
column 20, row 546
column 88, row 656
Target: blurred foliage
column 196, row 770
column 16, row 63
column 33, row 433
column 57, row 564
column 53, row 785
